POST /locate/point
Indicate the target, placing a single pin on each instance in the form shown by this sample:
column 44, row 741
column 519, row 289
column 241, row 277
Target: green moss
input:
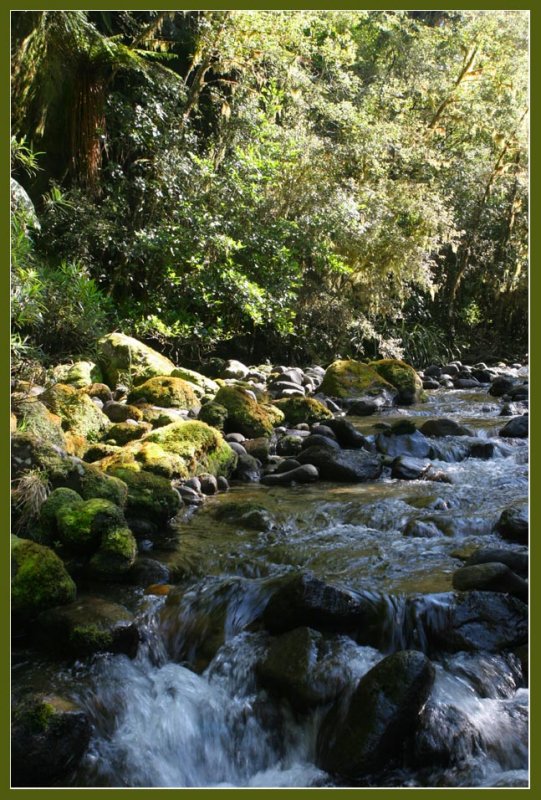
column 244, row 414
column 91, row 638
column 115, row 555
column 303, row 409
column 403, row 377
column 276, row 415
column 78, row 413
column 150, row 497
column 91, row 482
column 124, row 432
column 214, row 415
column 166, row 392
column 201, row 448
column 206, row 385
column 83, row 525
column 39, row 578
column 348, row 378
column 35, row 715
column 147, row 456
column 36, row 419
column 124, row 360
column 98, row 451
column 56, row 500
column 81, row 374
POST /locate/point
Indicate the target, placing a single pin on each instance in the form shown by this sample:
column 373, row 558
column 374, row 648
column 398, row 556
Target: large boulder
column 244, row 414
column 444, row 427
column 39, row 579
column 213, row 414
column 150, row 497
column 407, row 444
column 202, row 384
column 35, row 418
column 166, row 392
column 490, row 577
column 79, row 375
column 346, row 433
column 29, row 452
column 123, row 359
column 78, row 413
column 89, row 625
column 403, row 377
column 342, row 465
column 349, row 378
column 81, row 524
column 515, row 560
column 49, row 736
column 303, row 409
column 516, row 428
column 362, row 734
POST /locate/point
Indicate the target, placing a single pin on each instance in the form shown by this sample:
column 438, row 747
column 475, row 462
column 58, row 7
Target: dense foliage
column 303, row 183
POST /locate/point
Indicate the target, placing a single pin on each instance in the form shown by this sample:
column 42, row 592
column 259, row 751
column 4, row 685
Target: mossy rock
column 79, row 374
column 78, row 413
column 39, row 579
column 98, row 451
column 35, row 418
column 123, row 432
column 120, row 412
column 158, row 417
column 214, row 415
column 82, row 525
column 204, row 385
column 148, row 456
column 403, row 377
column 201, row 448
column 124, row 359
column 115, row 555
column 99, row 390
column 57, row 499
column 150, row 497
column 90, row 625
column 348, row 378
column 165, row 392
column 244, row 414
column 276, row 415
column 303, row 409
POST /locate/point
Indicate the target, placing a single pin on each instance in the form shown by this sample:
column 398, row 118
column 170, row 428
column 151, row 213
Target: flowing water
column 188, row 710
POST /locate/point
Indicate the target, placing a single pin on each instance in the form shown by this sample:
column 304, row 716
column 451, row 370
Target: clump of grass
column 28, row 494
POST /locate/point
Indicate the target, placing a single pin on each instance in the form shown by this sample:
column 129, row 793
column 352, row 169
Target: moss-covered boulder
column 28, row 452
column 200, row 447
column 150, row 497
column 79, row 374
column 39, row 579
column 303, row 409
column 90, row 625
column 49, row 735
column 349, row 378
column 203, row 384
column 244, row 414
column 78, row 413
column 35, row 418
column 123, row 359
column 99, row 390
column 214, row 415
column 165, row 392
column 276, row 415
column 98, row 451
column 403, row 377
column 115, row 555
column 55, row 501
column 82, row 525
column 148, row 456
column 123, row 432
column 120, row 412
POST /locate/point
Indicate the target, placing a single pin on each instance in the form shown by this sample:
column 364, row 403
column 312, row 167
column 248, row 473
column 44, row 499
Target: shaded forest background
column 286, row 184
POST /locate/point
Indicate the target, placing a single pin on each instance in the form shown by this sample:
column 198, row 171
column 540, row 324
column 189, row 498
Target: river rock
column 245, row 514
column 306, row 473
column 490, row 577
column 347, row 434
column 148, row 571
column 403, row 377
column 49, row 736
column 513, row 524
column 351, row 379
column 519, row 392
column 318, row 440
column 323, row 430
column 482, row 450
column 516, row 428
column 444, row 427
column 286, row 465
column 407, row 468
column 247, row 469
column 371, row 403
column 445, row 737
column 430, row 383
column 342, row 465
column 472, row 621
column 234, row 369
column 410, row 444
column 304, row 666
column 304, row 600
column 466, row 383
column 423, row 529
column 500, row 386
column 362, row 734
column 89, row 625
column 515, row 560
column 39, row 579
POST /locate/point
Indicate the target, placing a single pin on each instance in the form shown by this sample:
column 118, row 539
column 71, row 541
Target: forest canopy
column 302, row 184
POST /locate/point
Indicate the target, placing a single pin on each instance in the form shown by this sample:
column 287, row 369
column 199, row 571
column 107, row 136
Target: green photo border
column 535, row 336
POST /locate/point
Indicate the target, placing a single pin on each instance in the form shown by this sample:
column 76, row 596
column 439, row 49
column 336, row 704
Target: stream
column 189, row 711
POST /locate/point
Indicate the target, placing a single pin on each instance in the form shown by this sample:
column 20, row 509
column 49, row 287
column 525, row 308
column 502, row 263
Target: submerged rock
column 361, row 734
column 342, row 465
column 513, row 524
column 444, row 427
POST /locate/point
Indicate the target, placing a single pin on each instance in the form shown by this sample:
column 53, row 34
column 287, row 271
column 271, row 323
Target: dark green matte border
column 535, row 334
